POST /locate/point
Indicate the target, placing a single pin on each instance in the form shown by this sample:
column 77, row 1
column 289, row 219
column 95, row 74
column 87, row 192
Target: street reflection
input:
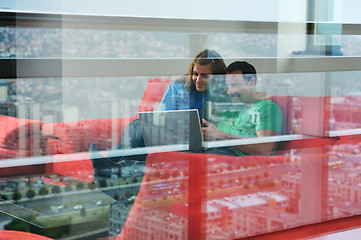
column 306, row 181
column 241, row 196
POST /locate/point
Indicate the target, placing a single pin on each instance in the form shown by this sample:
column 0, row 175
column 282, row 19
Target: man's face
column 239, row 89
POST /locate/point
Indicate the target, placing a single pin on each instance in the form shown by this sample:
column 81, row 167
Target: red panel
column 15, row 235
column 77, row 136
column 11, row 127
column 9, row 153
column 153, row 94
column 76, row 165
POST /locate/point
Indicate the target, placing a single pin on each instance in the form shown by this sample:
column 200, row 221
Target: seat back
column 285, row 105
column 153, row 94
column 20, row 136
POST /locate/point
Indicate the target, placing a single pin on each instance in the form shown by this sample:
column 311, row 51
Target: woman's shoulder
column 178, row 85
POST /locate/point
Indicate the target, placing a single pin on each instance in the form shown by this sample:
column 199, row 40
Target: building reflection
column 242, row 196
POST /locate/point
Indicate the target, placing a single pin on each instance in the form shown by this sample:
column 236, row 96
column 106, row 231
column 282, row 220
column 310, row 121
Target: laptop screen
column 172, row 127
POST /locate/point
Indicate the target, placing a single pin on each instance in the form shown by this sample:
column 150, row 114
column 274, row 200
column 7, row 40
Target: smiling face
column 239, row 89
column 201, row 76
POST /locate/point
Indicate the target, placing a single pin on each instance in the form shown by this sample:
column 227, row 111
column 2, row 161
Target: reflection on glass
column 80, row 43
column 245, row 44
column 69, row 169
column 244, row 195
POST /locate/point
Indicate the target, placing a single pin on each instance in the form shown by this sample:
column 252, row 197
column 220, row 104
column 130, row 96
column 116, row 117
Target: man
column 256, row 118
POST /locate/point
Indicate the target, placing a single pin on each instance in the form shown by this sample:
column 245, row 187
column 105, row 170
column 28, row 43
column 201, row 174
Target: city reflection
column 49, row 185
column 241, row 196
column 238, row 196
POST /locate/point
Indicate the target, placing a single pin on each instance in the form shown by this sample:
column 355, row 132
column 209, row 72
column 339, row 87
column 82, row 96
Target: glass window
column 170, row 122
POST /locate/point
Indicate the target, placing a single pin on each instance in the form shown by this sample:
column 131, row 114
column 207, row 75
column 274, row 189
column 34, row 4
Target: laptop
column 162, row 128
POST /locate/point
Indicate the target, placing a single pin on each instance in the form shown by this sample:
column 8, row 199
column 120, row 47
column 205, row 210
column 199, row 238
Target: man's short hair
column 246, row 68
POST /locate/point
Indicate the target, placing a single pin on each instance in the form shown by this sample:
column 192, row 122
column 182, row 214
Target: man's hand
column 211, row 132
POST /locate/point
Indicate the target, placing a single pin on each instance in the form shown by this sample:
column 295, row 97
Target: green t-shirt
column 246, row 122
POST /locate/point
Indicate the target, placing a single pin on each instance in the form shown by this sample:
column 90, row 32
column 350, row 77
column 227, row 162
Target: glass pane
column 122, row 130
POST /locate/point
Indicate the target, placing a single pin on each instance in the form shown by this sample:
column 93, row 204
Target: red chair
column 21, row 137
column 76, row 137
column 15, row 235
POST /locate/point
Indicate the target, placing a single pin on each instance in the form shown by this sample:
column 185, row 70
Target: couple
column 209, row 80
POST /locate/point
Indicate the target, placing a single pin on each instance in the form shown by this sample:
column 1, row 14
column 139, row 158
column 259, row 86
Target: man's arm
column 259, row 148
column 211, row 132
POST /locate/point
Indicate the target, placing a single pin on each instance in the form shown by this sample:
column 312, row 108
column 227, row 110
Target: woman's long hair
column 208, row 57
column 217, row 88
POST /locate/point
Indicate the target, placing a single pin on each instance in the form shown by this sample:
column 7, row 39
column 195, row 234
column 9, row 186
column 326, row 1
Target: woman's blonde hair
column 207, row 57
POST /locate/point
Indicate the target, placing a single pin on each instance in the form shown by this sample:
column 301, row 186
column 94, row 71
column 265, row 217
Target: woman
column 204, row 82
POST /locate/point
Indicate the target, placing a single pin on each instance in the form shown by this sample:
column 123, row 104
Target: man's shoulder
column 266, row 103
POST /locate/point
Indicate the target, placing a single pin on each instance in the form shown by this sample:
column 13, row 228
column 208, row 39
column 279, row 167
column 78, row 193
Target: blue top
column 178, row 97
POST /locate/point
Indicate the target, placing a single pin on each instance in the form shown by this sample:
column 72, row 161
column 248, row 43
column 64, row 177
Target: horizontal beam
column 132, row 23
column 348, row 132
column 313, row 230
column 26, row 19
column 59, row 68
column 30, row 161
column 351, row 29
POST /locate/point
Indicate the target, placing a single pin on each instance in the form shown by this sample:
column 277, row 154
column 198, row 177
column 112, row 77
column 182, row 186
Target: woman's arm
column 171, row 98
